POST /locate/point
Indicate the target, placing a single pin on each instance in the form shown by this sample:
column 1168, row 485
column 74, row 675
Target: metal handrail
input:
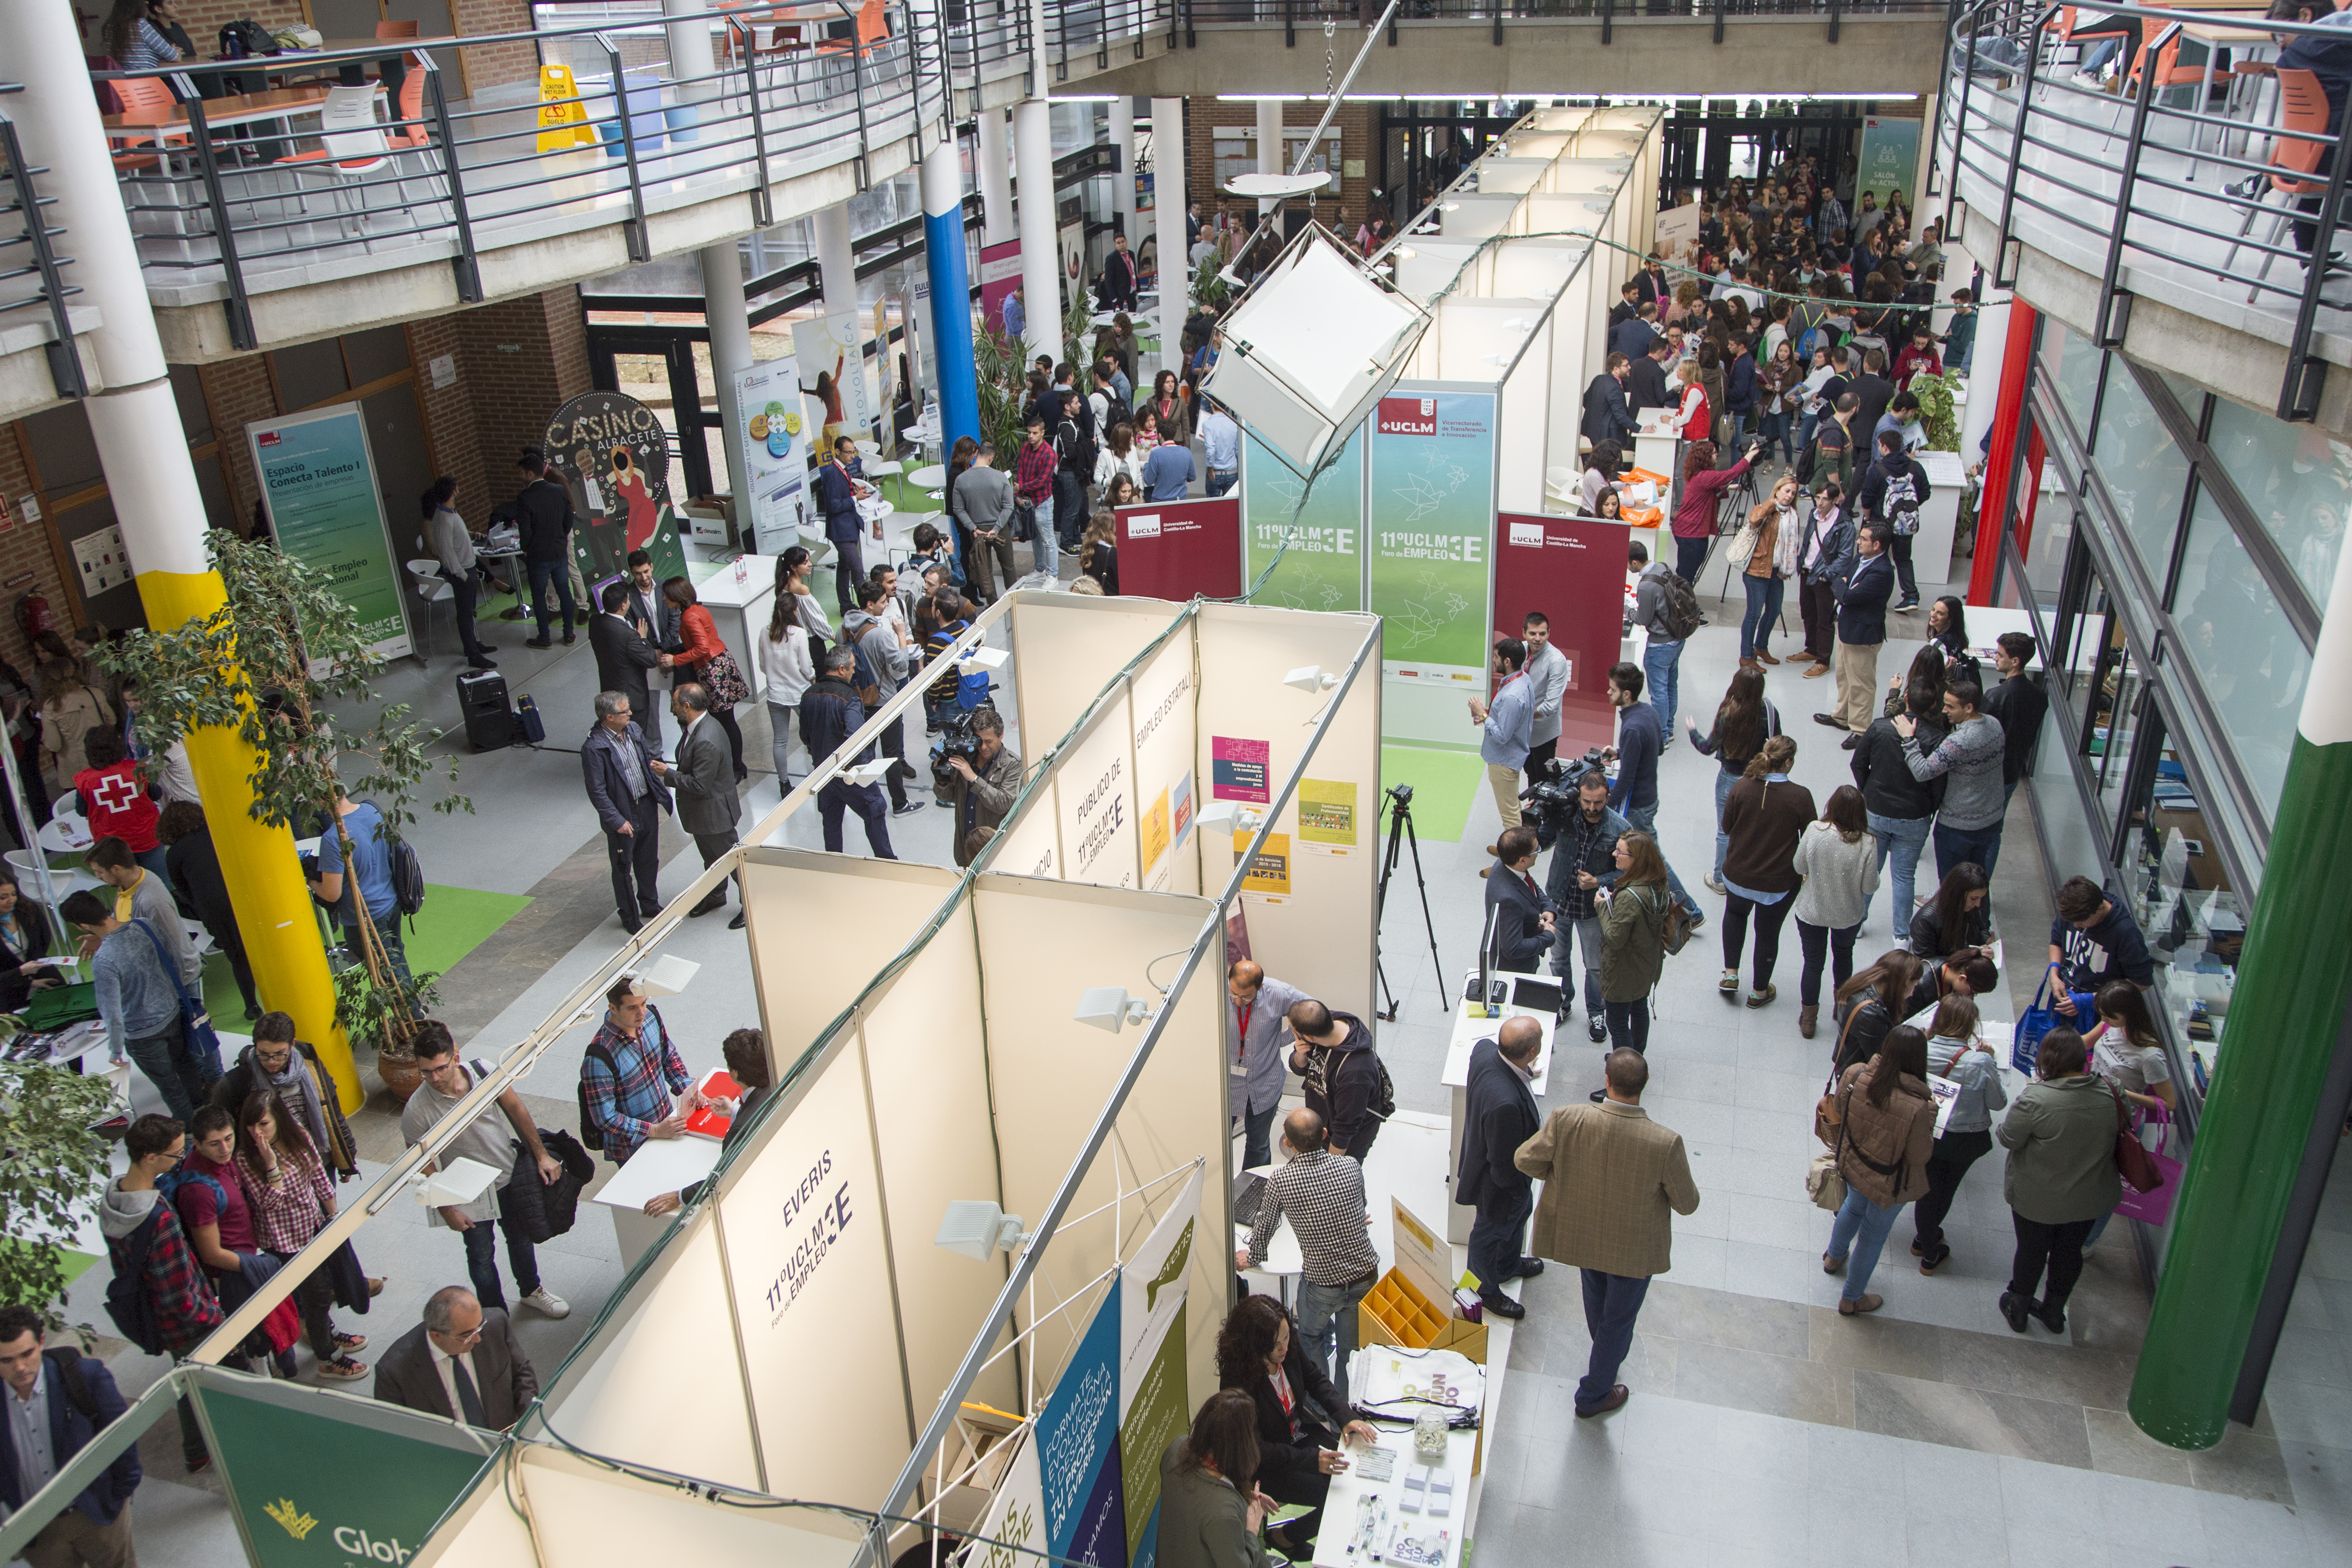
column 42, row 262
column 2125, row 189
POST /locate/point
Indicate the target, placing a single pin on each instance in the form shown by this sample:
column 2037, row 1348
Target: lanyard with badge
column 1241, row 1038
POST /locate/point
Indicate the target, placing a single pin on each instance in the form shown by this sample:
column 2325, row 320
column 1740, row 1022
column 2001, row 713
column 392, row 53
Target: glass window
column 2075, row 849
column 2074, row 364
column 2117, row 717
column 2144, row 470
column 2297, row 481
column 2180, row 895
column 2079, row 664
column 2045, row 550
column 2247, row 657
column 2191, row 396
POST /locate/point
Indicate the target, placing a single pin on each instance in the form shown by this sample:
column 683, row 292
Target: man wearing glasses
column 461, row 1363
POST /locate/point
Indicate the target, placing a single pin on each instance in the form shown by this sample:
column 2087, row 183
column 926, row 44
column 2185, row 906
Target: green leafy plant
column 998, row 358
column 1078, row 326
column 1936, row 411
column 268, row 664
column 52, row 1170
column 382, row 1010
column 1209, row 286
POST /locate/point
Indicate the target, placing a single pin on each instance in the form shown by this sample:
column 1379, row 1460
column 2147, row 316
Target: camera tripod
column 1401, row 832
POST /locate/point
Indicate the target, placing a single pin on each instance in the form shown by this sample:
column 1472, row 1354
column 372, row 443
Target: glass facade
column 2150, row 478
column 2296, row 481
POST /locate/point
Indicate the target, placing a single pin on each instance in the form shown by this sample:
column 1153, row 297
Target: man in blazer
column 1501, row 1116
column 704, row 777
column 461, row 1361
column 623, row 657
column 1610, row 1175
column 62, row 1399
column 1516, row 911
column 617, row 762
column 1605, row 415
column 1863, row 591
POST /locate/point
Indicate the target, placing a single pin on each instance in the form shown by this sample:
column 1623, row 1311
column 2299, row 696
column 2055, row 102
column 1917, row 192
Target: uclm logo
column 1408, row 416
column 268, row 438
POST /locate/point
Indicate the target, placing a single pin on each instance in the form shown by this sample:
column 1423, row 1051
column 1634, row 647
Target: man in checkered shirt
column 1323, row 1194
column 629, row 1074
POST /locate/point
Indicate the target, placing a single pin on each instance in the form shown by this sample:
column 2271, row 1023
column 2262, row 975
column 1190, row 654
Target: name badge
column 1237, row 1070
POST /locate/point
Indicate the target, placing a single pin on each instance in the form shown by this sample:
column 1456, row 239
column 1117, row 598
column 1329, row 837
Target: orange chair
column 872, row 28
column 137, row 94
column 411, row 108
column 2298, row 151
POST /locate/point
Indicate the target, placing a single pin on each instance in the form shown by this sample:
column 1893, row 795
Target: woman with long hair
column 960, row 457
column 26, row 939
column 1871, row 1004
column 2126, row 1049
column 1121, row 492
column 1948, row 637
column 700, row 647
column 1694, row 499
column 789, row 669
column 1120, row 457
column 1887, row 1133
column 1763, row 817
column 1902, row 806
column 1958, row 915
column 1166, row 405
column 1210, row 1510
column 1710, row 360
column 1098, row 551
column 793, row 568
column 133, row 38
column 1775, row 385
column 1260, row 1353
column 1612, row 507
column 1771, row 561
column 1743, row 720
column 1694, row 410
column 1839, row 861
column 1955, row 1052
column 1633, row 939
column 292, row 1197
column 71, row 711
column 1601, row 466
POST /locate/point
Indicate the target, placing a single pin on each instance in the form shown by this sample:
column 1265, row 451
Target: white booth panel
column 1465, row 215
column 1526, row 420
column 1074, row 644
column 483, row 1530
column 585, row 1519
column 1164, row 700
column 1425, row 264
column 1510, row 176
column 885, row 902
column 1535, row 268
column 1480, row 338
column 1094, row 792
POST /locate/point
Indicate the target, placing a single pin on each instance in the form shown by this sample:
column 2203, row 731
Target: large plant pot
column 401, row 1075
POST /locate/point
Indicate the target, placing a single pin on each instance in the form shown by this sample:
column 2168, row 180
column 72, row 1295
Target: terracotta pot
column 401, row 1075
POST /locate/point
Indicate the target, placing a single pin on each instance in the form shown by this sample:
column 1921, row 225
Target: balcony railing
column 2171, row 180
column 36, row 279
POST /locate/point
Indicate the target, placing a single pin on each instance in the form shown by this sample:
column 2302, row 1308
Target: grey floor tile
column 1986, row 1424
column 1765, row 1385
column 1724, row 1317
column 2245, row 1464
column 2119, row 1447
column 2152, row 1517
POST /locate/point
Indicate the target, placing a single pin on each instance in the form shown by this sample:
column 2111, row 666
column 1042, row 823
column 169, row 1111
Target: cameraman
column 1583, row 861
column 980, row 796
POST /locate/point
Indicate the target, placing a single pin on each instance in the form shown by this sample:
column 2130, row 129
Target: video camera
column 958, row 738
column 1549, row 805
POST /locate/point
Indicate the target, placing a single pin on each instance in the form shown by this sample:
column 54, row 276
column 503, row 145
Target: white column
column 1122, row 140
column 836, row 263
column 995, row 170
column 1168, row 206
column 1269, row 145
column 730, row 320
column 1041, row 263
column 691, row 54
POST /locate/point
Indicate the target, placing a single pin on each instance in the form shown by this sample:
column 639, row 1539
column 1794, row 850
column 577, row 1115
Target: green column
column 2281, row 1035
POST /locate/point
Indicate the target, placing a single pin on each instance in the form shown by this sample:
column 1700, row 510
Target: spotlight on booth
column 1109, row 1008
column 982, row 659
column 1311, row 347
column 1230, row 817
column 870, row 772
column 667, row 975
column 977, row 1229
column 458, row 1183
column 1310, row 678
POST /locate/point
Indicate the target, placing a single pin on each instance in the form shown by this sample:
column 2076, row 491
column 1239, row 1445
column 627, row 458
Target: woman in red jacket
column 1694, row 503
column 1694, row 415
column 118, row 804
column 700, row 634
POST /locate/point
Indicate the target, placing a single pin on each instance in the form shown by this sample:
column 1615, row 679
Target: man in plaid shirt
column 1323, row 1194
column 629, row 1074
column 144, row 1237
column 1033, row 481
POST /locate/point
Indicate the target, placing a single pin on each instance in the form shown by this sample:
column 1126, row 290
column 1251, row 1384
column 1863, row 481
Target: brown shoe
column 1766, row 655
column 1618, row 1395
column 1866, row 1304
column 1805, row 1017
column 1750, row 664
column 1817, row 672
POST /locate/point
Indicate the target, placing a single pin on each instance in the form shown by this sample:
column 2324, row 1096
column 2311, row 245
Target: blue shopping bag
column 2039, row 1020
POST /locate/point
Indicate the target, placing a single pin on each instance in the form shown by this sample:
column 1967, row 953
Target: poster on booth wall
column 1433, row 512
column 774, row 442
column 1181, row 550
column 1000, row 274
column 1322, row 568
column 613, row 453
column 831, row 352
column 318, row 480
column 1269, row 868
column 1889, row 160
column 1327, row 817
column 1154, row 1408
column 1571, row 570
column 1239, row 768
column 1678, row 232
column 1077, row 1448
column 1160, row 699
column 1016, row 1514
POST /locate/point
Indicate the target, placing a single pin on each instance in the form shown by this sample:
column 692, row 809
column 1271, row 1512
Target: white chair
column 434, row 589
column 1562, row 485
column 353, row 146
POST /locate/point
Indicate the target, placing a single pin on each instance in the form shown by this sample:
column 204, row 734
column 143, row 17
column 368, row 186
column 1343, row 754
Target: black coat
column 608, row 792
column 540, row 1211
column 545, row 519
column 1888, row 788
column 1862, row 598
column 196, row 879
column 1282, row 1459
column 1501, row 1116
column 1605, row 417
column 625, row 663
column 1645, row 384
column 40, row 941
column 1520, row 940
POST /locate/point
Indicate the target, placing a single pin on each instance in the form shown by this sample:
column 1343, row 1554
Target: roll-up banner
column 1077, row 1448
column 1571, row 570
column 1181, row 550
column 318, row 480
column 1154, row 1402
column 773, row 436
column 1432, row 522
column 1323, row 567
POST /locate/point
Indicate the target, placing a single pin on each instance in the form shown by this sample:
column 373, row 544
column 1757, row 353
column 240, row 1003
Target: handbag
column 1823, row 1184
column 723, row 679
column 2132, row 1160
column 196, row 1024
column 1829, row 1121
column 2153, row 1206
column 2038, row 1019
column 1743, row 546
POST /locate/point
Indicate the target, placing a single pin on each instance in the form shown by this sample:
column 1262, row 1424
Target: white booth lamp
column 871, row 772
column 977, row 1229
column 1109, row 1008
column 1311, row 678
column 1275, row 187
column 1230, row 817
column 1310, row 348
column 460, row 1182
column 667, row 975
column 979, row 659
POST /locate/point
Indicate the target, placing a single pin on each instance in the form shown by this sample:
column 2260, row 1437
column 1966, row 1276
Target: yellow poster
column 1327, row 816
column 1270, row 871
column 1155, row 832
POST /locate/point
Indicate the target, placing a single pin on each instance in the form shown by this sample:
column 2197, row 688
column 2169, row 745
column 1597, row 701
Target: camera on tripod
column 1551, row 804
column 958, row 738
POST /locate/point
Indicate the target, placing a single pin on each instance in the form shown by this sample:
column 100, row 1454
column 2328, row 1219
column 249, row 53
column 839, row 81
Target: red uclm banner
column 1180, row 550
column 1408, row 416
column 1573, row 570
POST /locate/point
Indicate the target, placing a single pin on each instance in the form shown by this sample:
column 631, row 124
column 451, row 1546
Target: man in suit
column 836, row 491
column 617, row 762
column 461, row 1363
column 1516, row 911
column 1873, row 391
column 1634, row 336
column 1119, row 276
column 1610, row 1177
column 704, row 777
column 1501, row 1116
column 655, row 619
column 831, row 712
column 57, row 1402
column 1863, row 590
column 1605, row 416
column 624, row 655
column 1645, row 378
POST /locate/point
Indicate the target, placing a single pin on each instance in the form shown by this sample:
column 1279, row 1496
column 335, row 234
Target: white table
column 65, row 835
column 1931, row 547
column 1658, row 447
column 740, row 596
column 1455, row 1075
column 930, row 477
column 660, row 1165
column 1340, row 1507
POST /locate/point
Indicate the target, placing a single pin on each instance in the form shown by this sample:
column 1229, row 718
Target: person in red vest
column 118, row 803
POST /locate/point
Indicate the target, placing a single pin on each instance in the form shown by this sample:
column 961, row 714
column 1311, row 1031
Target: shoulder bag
column 2133, row 1161
column 724, row 680
column 196, row 1023
column 1743, row 545
column 1828, row 1116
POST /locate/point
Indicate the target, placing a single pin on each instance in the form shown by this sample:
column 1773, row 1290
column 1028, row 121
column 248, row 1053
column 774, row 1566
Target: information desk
column 660, row 1165
column 1344, row 1515
column 740, row 595
column 1467, row 1032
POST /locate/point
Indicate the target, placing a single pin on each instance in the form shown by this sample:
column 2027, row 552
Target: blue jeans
column 1902, row 837
column 1724, row 779
column 482, row 1267
column 1588, row 932
column 387, row 931
column 1858, row 1237
column 558, row 574
column 1257, row 1136
column 1326, row 1315
column 1221, row 479
column 1956, row 844
column 1662, row 680
column 1776, row 432
column 1738, row 429
column 1645, row 819
column 1612, row 1303
column 1805, row 424
column 1763, row 612
column 837, row 798
column 1496, row 1236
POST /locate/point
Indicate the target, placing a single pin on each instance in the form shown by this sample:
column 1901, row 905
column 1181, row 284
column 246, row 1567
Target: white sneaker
column 548, row 1303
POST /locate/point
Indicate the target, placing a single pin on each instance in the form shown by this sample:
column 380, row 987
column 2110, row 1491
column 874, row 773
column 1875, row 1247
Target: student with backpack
column 160, row 1297
column 1892, row 492
column 1635, row 917
column 1346, row 1083
column 374, row 861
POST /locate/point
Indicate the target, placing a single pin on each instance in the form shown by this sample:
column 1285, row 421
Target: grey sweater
column 1839, row 877
column 982, row 497
column 1979, row 1076
column 1970, row 759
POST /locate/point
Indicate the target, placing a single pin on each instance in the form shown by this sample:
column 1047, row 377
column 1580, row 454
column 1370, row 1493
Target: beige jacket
column 1884, row 1152
column 1610, row 1177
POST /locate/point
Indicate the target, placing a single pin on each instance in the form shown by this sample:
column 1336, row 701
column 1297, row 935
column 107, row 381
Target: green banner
column 1323, row 569
column 318, row 480
column 1432, row 519
column 334, row 1486
column 1889, row 160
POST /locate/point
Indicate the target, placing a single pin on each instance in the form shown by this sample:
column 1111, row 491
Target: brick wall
column 449, row 424
column 1359, row 128
column 238, row 392
column 488, row 64
column 28, row 557
column 520, row 358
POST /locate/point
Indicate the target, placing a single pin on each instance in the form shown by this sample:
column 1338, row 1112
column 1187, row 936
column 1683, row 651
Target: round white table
column 930, row 477
column 65, row 835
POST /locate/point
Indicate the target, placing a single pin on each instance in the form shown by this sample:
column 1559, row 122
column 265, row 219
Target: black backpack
column 1678, row 608
column 127, row 1302
column 591, row 1135
column 408, row 878
column 69, row 1365
column 1075, row 448
column 254, row 39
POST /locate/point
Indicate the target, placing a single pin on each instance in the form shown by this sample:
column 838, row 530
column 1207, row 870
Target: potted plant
column 52, row 1169
column 269, row 664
